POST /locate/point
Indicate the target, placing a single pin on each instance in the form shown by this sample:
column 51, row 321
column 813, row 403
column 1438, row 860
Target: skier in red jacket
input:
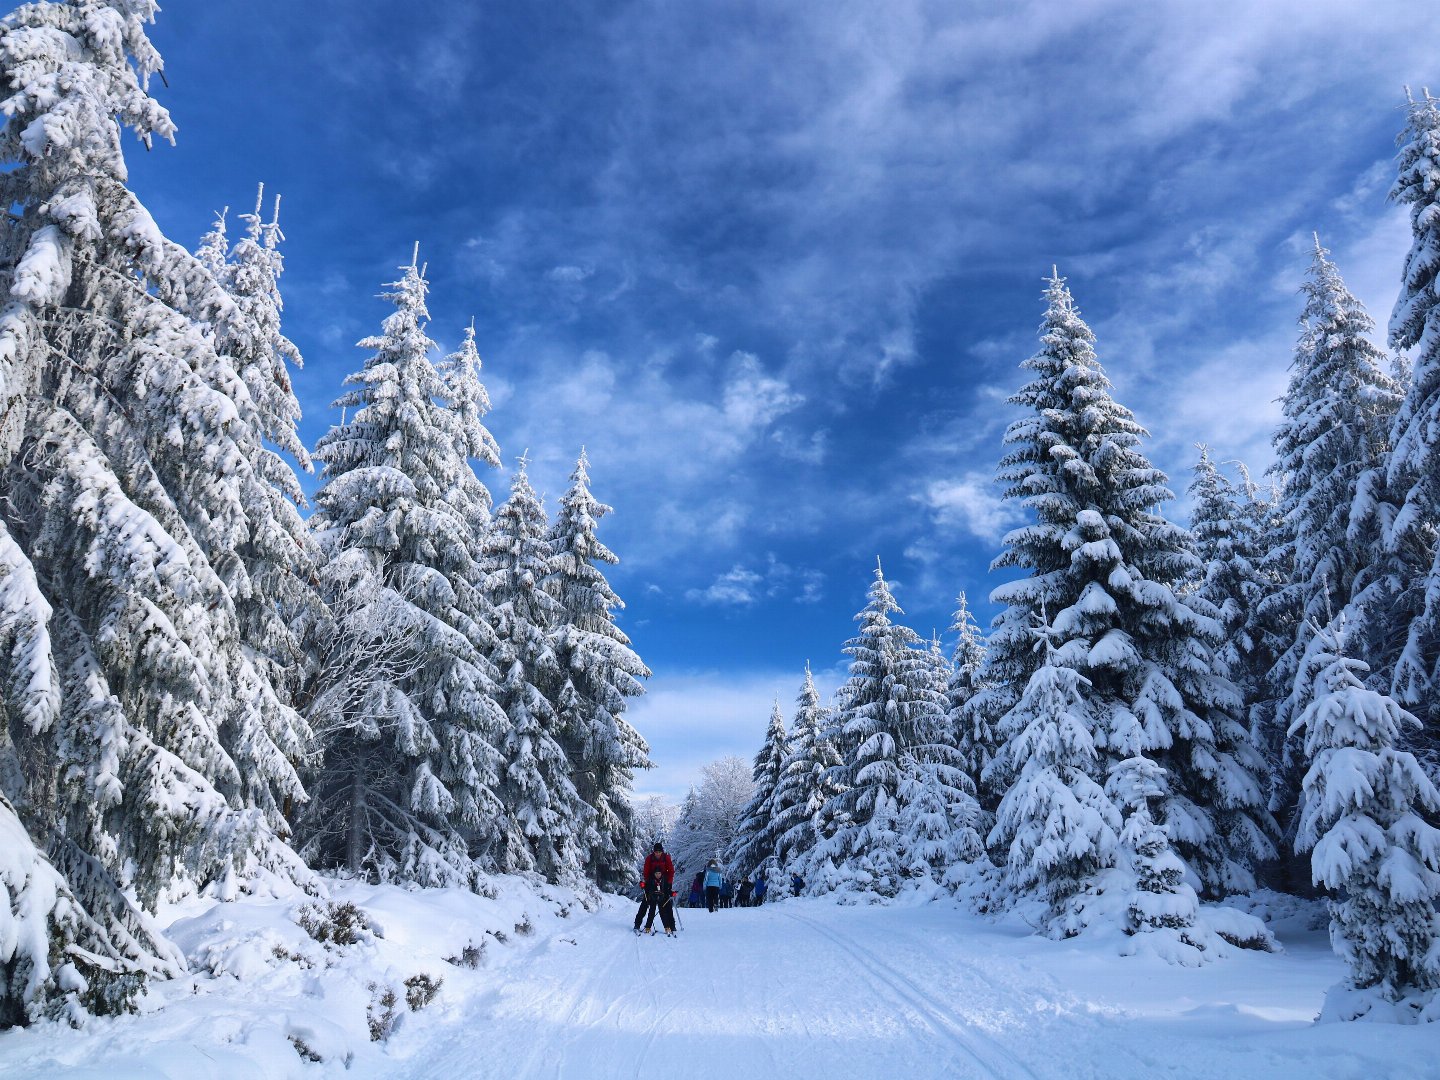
column 657, row 881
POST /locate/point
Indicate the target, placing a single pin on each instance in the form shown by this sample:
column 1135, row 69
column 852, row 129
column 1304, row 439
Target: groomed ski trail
column 752, row 992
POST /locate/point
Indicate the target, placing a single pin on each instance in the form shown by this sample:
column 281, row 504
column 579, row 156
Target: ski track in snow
column 992, row 1060
column 760, row 992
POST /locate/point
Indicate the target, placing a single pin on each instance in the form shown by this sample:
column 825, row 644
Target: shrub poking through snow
column 383, row 1016
column 334, row 924
column 420, row 990
column 472, row 956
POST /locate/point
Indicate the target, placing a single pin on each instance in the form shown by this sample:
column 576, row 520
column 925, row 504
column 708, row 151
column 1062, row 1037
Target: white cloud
column 742, row 586
column 754, row 399
column 970, row 502
column 736, row 586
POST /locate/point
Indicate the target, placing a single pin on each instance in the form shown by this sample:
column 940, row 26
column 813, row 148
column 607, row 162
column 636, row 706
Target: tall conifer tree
column 129, row 490
column 1102, row 569
column 1407, row 600
column 1338, row 409
column 408, row 786
column 599, row 673
column 547, row 820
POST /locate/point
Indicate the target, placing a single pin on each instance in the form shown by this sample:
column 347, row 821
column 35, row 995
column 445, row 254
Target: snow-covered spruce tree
column 1338, row 409
column 1162, row 907
column 1106, row 567
column 1055, row 826
column 547, row 820
column 974, row 736
column 1406, row 600
column 128, row 486
column 804, row 784
column 892, row 712
column 1227, row 525
column 279, row 609
column 1367, row 818
column 757, row 836
column 407, row 789
column 469, row 401
column 598, row 674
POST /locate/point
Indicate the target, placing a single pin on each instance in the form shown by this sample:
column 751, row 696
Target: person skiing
column 745, row 888
column 761, row 886
column 697, row 890
column 713, row 881
column 727, row 893
column 797, row 884
column 658, row 897
column 657, row 861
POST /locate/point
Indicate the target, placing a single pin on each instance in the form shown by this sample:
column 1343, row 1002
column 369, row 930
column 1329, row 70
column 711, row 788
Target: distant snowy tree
column 408, row 786
column 652, row 819
column 1408, row 600
column 127, row 492
column 1337, row 409
column 549, row 818
column 805, row 779
column 974, row 736
column 755, row 840
column 1105, row 568
column 710, row 815
column 902, row 769
column 1367, row 819
column 598, row 673
column 1230, row 526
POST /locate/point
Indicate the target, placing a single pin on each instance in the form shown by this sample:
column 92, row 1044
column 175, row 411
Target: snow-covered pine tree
column 1227, row 524
column 126, row 481
column 889, row 707
column 1407, row 601
column 1338, row 408
column 1107, row 567
column 469, row 401
column 757, row 836
column 599, row 673
column 805, row 784
column 407, row 789
column 1163, row 908
column 1056, row 827
column 974, row 736
column 1367, row 818
column 279, row 609
column 547, row 821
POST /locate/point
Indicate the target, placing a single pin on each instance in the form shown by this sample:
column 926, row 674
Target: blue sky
column 775, row 264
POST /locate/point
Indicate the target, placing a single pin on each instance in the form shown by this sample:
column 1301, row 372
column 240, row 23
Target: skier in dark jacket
column 658, row 897
column 697, row 890
column 745, row 888
column 656, row 862
column 761, row 886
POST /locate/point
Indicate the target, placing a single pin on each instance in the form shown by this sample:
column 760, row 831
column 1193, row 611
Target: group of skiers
column 714, row 890
column 710, row 887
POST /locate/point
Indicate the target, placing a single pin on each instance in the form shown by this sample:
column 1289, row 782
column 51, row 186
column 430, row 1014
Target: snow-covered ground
column 798, row 989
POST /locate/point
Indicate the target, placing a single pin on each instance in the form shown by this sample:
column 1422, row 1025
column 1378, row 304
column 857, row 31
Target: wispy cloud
column 743, row 586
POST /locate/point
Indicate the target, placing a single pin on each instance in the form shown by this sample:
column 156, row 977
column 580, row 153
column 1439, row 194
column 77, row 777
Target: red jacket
column 662, row 863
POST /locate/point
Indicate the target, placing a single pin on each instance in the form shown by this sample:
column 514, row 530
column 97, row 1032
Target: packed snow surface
column 800, row 988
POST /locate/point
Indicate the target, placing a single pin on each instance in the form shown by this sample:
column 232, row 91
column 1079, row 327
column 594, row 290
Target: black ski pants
column 653, row 902
column 712, row 897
